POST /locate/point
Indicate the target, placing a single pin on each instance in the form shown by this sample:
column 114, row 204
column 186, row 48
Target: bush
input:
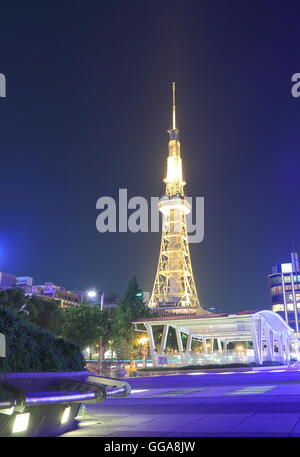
column 197, row 367
column 32, row 349
column 211, row 366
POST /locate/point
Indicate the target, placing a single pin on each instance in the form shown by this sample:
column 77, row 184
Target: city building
column 284, row 287
column 214, row 309
column 92, row 297
column 51, row 291
column 25, row 283
column 110, row 301
column 7, row 280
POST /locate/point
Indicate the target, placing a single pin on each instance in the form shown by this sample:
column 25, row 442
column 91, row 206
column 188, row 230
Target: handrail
column 114, row 387
column 95, row 390
column 68, row 391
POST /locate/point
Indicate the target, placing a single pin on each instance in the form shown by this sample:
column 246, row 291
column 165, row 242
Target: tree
column 14, row 299
column 133, row 302
column 107, row 317
column 80, row 324
column 40, row 311
column 43, row 312
column 32, row 349
column 125, row 339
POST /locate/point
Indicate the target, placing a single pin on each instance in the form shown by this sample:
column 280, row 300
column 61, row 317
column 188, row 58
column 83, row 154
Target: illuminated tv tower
column 174, row 290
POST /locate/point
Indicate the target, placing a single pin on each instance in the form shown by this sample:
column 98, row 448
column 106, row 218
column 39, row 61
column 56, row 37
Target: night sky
column 87, row 109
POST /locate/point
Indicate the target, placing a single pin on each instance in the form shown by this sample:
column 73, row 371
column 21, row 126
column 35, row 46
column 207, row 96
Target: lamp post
column 143, row 341
column 92, row 294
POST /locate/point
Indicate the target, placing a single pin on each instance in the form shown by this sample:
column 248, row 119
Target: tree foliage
column 32, row 349
column 43, row 312
column 14, row 299
column 125, row 339
column 80, row 324
column 85, row 324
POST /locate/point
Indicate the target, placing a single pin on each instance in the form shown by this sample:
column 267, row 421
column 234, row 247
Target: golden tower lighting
column 174, row 290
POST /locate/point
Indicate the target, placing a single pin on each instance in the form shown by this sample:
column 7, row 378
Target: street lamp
column 240, row 350
column 92, row 293
column 143, row 341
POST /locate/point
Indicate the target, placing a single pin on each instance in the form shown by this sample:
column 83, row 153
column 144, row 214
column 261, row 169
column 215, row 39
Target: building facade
column 25, row 283
column 214, row 309
column 51, row 291
column 7, row 280
column 284, row 288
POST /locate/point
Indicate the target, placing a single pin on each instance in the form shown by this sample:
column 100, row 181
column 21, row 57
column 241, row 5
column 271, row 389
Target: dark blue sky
column 86, row 113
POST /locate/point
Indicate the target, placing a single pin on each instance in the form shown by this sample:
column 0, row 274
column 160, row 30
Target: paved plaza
column 248, row 403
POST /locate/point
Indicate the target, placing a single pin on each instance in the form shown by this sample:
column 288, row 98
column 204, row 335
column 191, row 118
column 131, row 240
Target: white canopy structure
column 268, row 332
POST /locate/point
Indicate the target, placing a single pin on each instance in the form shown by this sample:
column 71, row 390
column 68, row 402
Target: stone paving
column 263, row 405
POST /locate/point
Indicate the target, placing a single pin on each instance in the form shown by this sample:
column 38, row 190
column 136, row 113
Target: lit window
column 276, row 290
column 275, row 280
column 278, row 308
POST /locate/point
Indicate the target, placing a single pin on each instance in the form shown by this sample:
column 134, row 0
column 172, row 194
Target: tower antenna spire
column 174, row 289
column 174, row 106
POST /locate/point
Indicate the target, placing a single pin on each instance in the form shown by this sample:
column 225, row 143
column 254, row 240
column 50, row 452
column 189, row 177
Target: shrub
column 196, row 367
column 32, row 349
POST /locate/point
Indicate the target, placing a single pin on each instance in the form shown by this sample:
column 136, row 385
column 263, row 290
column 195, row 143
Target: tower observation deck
column 174, row 290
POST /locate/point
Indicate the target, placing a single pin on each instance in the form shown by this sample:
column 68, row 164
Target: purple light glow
column 60, row 398
column 116, row 391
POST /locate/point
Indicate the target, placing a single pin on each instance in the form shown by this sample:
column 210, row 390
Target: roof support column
column 151, row 343
column 189, row 343
column 204, row 346
column 268, row 342
column 164, row 339
column 287, row 348
column 256, row 339
column 271, row 333
column 225, row 347
column 179, row 341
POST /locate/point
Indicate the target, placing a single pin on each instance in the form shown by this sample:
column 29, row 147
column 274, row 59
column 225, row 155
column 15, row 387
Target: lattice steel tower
column 174, row 290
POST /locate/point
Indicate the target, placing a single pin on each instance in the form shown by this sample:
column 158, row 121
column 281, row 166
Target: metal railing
column 114, row 387
column 95, row 390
